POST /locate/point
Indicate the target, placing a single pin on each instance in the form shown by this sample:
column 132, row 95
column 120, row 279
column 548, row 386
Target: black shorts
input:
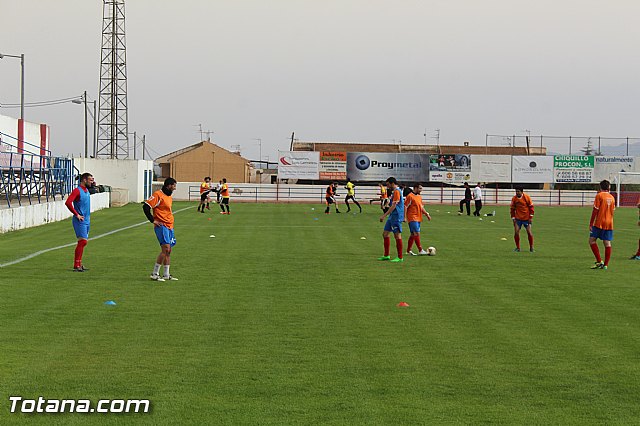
column 330, row 200
column 350, row 197
column 225, row 200
column 204, row 195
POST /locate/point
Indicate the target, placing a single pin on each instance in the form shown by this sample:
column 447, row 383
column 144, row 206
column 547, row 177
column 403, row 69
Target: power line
column 43, row 103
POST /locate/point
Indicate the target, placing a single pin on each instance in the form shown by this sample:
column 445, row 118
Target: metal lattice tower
column 113, row 128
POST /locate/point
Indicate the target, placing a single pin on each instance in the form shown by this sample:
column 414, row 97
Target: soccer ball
column 431, row 251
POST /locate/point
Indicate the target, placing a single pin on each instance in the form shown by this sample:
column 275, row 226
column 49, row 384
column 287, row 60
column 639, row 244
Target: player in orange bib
column 330, row 197
column 384, row 198
column 522, row 215
column 601, row 224
column 162, row 218
column 224, row 193
column 205, row 190
column 413, row 211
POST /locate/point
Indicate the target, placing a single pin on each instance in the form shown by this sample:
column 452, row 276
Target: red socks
column 77, row 261
column 607, row 255
column 417, row 240
column 410, row 243
column 399, row 247
column 517, row 238
column 387, row 245
column 530, row 241
column 596, row 252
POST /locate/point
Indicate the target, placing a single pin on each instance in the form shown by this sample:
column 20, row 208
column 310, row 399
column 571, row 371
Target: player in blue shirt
column 79, row 203
column 395, row 217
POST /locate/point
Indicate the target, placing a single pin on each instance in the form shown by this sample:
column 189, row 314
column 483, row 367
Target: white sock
column 166, row 270
column 156, row 269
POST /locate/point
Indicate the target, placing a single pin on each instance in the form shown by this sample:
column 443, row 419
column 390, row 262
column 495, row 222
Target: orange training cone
column 403, row 305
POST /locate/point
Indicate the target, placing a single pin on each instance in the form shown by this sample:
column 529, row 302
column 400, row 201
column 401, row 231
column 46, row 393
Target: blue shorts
column 394, row 226
column 522, row 223
column 414, row 226
column 165, row 235
column 81, row 228
column 603, row 234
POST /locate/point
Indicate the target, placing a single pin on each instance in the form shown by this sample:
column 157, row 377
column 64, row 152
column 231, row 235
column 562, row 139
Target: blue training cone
column 110, row 302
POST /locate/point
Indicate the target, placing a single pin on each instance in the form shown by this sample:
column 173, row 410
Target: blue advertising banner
column 377, row 166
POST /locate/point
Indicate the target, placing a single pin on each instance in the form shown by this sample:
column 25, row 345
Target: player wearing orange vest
column 601, row 224
column 384, row 198
column 413, row 211
column 330, row 197
column 162, row 218
column 205, row 189
column 522, row 215
column 224, row 193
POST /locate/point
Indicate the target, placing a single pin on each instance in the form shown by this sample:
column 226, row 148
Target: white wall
column 9, row 126
column 12, row 219
column 127, row 174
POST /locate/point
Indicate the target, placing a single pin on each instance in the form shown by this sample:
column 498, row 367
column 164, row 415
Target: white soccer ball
column 431, row 251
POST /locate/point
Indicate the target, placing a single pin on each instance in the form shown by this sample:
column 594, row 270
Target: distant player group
column 396, row 207
column 221, row 189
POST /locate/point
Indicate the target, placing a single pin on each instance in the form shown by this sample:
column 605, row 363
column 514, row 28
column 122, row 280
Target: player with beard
column 162, row 218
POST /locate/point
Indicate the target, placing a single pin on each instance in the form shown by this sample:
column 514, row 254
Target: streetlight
column 83, row 99
column 21, row 57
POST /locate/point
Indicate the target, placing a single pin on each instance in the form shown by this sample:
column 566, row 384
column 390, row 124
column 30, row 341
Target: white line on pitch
column 38, row 253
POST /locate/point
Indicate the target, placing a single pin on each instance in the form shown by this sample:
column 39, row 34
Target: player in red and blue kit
column 79, row 203
column 395, row 218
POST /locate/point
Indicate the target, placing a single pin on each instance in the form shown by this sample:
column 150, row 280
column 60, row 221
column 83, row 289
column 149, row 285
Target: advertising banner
column 377, row 167
column 333, row 165
column 608, row 167
column 532, row 169
column 298, row 165
column 451, row 168
column 491, row 168
column 573, row 168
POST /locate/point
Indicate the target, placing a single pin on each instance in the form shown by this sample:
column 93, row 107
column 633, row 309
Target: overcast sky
column 334, row 70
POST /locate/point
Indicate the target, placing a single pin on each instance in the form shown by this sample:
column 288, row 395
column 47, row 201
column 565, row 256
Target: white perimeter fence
column 315, row 194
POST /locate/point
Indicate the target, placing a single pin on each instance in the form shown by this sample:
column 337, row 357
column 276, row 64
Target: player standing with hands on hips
column 522, row 215
column 79, row 203
column 162, row 219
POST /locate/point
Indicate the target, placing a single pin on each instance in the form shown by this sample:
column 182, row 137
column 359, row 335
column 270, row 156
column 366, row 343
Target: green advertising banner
column 573, row 161
column 573, row 168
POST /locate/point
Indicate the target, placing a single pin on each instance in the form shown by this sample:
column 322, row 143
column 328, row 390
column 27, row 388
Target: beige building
column 194, row 162
column 416, row 149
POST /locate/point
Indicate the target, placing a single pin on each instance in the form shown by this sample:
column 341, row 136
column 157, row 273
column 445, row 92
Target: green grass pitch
column 282, row 318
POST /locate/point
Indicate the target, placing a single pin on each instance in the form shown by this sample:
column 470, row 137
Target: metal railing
column 25, row 146
column 368, row 194
column 29, row 178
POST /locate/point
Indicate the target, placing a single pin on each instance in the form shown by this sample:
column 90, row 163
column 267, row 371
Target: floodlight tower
column 113, row 114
